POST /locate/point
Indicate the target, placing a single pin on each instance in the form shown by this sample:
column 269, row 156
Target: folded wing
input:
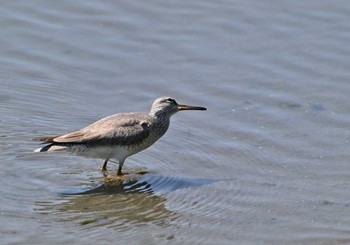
column 116, row 130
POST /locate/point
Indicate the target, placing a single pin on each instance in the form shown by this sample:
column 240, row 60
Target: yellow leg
column 104, row 167
column 119, row 173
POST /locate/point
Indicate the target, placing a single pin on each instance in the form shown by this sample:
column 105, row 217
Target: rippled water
column 268, row 163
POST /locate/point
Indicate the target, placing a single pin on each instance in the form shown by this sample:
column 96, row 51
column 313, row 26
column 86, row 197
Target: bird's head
column 168, row 106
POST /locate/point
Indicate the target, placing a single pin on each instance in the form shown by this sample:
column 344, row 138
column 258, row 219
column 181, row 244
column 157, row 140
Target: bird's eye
column 170, row 100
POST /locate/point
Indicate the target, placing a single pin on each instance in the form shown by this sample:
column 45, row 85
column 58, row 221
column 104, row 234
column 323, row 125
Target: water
column 266, row 164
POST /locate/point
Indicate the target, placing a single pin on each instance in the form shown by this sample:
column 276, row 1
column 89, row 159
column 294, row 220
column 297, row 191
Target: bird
column 118, row 136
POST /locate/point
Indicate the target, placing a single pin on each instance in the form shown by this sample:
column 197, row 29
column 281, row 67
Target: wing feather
column 126, row 129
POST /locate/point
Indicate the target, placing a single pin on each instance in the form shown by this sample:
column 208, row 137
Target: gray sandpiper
column 118, row 136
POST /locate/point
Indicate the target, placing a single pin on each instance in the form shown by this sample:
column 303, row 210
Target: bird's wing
column 116, row 129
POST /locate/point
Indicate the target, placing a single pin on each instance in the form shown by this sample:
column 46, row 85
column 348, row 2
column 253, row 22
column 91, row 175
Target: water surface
column 268, row 163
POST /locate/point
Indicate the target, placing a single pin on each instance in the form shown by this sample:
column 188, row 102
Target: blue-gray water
column 268, row 163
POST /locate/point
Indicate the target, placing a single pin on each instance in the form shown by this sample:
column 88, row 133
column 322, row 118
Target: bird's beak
column 190, row 107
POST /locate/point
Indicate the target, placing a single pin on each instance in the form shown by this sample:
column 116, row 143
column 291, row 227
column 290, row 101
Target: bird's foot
column 104, row 172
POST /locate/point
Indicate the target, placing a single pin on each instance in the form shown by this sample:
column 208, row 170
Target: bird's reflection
column 114, row 185
column 120, row 203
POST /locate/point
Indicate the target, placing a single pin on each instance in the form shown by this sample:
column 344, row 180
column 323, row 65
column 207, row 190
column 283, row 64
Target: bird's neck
column 157, row 113
column 160, row 117
column 162, row 121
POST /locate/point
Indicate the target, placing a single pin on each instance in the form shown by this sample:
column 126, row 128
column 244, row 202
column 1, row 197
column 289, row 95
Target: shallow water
column 266, row 164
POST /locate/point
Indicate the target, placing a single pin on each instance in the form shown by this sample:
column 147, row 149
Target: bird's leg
column 119, row 173
column 104, row 167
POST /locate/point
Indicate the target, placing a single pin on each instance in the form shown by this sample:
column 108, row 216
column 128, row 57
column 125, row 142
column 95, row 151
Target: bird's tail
column 52, row 146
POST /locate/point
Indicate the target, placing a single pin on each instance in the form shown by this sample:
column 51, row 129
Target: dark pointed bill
column 190, row 107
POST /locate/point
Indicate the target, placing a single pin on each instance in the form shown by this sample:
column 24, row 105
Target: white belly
column 104, row 152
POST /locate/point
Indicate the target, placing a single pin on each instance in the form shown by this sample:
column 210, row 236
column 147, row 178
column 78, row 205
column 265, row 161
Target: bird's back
column 136, row 131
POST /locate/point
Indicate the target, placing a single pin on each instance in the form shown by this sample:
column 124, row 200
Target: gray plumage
column 118, row 136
